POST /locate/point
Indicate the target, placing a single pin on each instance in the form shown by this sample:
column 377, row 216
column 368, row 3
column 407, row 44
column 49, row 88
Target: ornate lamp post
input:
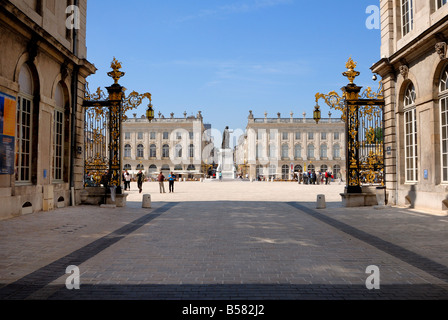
column 150, row 112
column 317, row 114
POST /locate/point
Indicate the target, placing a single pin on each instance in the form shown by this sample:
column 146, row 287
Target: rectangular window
column 191, row 134
column 411, row 154
column 441, row 3
column 58, row 145
column 152, row 136
column 23, row 159
column 285, row 136
column 165, row 136
column 310, row 135
column 323, row 136
column 298, row 135
column 336, row 136
column 407, row 16
column 140, row 136
column 444, row 137
column 127, row 136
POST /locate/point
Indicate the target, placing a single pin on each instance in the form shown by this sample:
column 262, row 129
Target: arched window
column 336, row 151
column 410, row 139
column 152, row 168
column 127, row 151
column 312, row 168
column 191, row 167
column 285, row 151
column 443, row 97
column 272, row 171
column 140, row 167
column 59, row 134
column 298, row 151
column 298, row 168
column 140, row 151
column 310, row 151
column 166, row 168
column 25, row 126
column 285, row 172
column 152, row 151
column 323, row 151
column 323, row 168
column 178, row 167
column 259, row 171
column 165, row 151
column 336, row 170
column 178, row 151
column 127, row 167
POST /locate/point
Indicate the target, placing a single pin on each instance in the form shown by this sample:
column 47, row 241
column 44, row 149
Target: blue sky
column 226, row 57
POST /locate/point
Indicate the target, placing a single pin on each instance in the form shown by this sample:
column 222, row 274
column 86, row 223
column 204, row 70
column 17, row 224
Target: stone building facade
column 181, row 145
column 43, row 68
column 276, row 148
column 414, row 68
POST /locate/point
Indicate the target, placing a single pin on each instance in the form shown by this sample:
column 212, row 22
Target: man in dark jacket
column 161, row 179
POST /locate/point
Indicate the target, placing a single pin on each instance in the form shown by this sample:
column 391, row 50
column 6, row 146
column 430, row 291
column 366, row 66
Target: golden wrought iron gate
column 363, row 115
column 102, row 131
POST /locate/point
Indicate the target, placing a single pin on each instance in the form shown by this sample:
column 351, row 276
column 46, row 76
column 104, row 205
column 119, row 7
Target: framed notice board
column 7, row 133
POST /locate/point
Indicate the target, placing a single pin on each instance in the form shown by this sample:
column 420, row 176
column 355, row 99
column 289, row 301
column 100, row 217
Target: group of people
column 171, row 179
column 127, row 180
column 313, row 177
column 141, row 178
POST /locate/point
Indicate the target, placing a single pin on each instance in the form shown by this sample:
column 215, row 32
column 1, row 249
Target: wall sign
column 7, row 133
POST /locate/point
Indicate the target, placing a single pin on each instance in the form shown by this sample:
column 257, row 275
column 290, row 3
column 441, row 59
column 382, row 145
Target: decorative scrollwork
column 97, row 96
column 334, row 101
column 133, row 101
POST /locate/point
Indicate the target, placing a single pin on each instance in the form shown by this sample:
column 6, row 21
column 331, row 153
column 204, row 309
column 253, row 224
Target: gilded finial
column 116, row 74
column 351, row 73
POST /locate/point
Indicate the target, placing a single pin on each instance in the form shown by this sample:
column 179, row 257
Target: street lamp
column 150, row 112
column 317, row 114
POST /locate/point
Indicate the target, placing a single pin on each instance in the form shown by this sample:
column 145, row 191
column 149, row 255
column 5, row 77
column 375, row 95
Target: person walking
column 140, row 179
column 161, row 179
column 127, row 181
column 171, row 179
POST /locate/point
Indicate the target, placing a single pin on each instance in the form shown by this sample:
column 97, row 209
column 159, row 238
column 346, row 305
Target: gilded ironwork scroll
column 104, row 115
column 363, row 114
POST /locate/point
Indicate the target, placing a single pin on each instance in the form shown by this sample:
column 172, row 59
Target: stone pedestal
column 96, row 196
column 226, row 164
column 146, row 201
column 368, row 198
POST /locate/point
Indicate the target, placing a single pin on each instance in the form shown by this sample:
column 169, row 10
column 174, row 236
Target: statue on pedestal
column 226, row 139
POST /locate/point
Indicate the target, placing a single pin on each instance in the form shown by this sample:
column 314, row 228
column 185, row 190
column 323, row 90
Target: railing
column 297, row 120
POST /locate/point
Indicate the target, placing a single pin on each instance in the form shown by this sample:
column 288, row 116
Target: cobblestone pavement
column 226, row 241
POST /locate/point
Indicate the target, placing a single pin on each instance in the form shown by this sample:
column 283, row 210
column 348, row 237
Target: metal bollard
column 146, row 201
column 321, row 202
